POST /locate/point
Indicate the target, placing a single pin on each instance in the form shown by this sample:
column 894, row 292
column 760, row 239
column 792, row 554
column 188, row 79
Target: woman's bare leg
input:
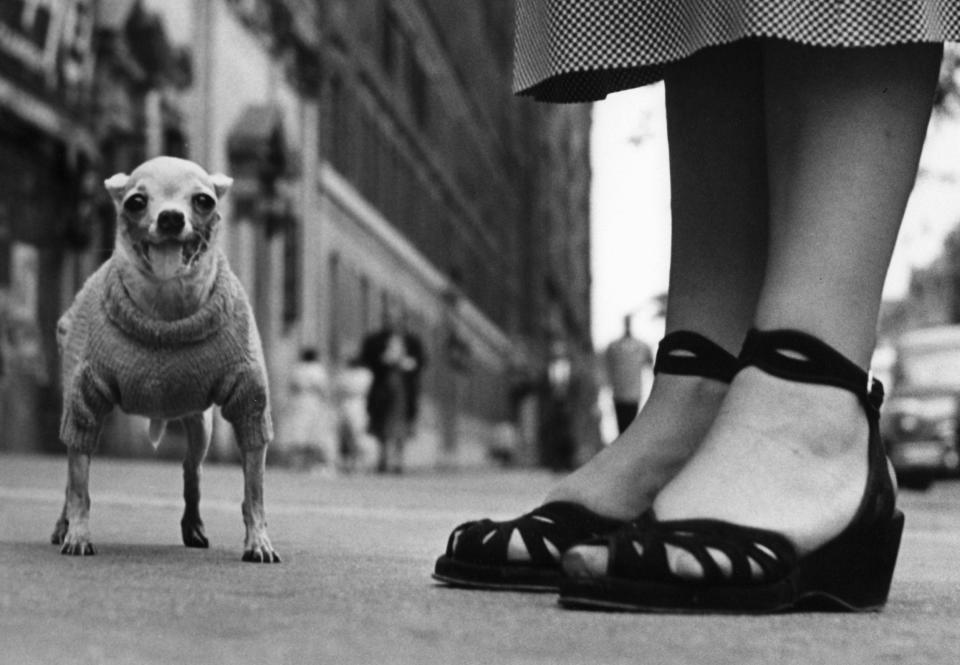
column 719, row 201
column 845, row 129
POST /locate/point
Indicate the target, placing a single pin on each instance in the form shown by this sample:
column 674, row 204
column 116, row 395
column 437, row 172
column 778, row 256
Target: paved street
column 354, row 586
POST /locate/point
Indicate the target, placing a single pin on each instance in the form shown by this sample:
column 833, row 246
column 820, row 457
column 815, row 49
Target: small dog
column 164, row 329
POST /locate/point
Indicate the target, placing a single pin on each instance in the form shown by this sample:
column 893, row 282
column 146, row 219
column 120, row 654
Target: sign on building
column 47, row 41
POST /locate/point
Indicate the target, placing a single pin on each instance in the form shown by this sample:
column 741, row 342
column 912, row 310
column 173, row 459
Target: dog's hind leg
column 72, row 531
column 198, row 429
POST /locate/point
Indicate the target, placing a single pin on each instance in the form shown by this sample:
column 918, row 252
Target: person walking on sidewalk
column 758, row 482
column 306, row 437
column 627, row 358
column 385, row 354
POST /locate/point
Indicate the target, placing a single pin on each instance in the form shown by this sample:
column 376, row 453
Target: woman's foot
column 622, row 480
column 693, row 374
column 782, row 456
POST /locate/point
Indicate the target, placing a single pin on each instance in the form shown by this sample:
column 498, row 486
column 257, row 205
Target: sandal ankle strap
column 688, row 353
column 798, row 356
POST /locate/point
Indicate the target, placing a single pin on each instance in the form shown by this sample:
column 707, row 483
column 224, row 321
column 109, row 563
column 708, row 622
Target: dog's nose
column 170, row 222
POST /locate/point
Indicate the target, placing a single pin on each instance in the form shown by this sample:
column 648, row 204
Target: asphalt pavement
column 354, row 585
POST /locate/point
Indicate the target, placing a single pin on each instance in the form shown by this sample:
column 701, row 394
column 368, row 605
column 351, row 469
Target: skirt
column 577, row 51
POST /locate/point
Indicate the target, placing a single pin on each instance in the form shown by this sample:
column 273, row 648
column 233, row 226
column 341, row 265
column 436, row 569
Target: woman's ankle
column 783, row 456
column 622, row 479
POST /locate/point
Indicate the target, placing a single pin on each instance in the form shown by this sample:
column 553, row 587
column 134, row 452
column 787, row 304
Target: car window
column 929, row 368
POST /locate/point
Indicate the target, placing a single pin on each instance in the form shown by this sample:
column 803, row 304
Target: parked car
column 922, row 413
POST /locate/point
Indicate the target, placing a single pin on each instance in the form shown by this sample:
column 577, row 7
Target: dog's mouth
column 171, row 258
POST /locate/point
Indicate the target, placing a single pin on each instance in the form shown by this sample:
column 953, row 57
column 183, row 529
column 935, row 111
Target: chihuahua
column 163, row 329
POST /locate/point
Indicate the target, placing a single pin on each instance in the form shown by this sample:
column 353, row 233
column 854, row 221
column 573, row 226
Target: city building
column 48, row 149
column 384, row 174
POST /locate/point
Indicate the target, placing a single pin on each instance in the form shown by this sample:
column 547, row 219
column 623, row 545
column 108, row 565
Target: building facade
column 47, row 150
column 383, row 173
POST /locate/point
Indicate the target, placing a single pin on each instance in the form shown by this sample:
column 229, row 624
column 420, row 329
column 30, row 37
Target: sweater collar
column 213, row 315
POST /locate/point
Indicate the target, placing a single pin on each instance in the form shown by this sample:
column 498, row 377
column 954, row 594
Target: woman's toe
column 586, row 561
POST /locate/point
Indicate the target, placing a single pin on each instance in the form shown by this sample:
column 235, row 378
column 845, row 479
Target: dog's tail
column 155, row 432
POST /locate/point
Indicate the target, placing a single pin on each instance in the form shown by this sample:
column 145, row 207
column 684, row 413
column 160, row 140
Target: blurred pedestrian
column 412, row 372
column 750, row 483
column 307, row 433
column 358, row 449
column 389, row 408
column 627, row 359
column 21, row 348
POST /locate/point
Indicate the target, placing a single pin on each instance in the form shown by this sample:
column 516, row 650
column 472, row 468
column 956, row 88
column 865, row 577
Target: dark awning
column 256, row 144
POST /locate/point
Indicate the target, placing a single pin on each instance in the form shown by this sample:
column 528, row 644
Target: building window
column 291, row 273
column 369, row 173
column 4, row 251
column 337, row 129
column 418, row 91
column 333, row 295
column 385, row 312
column 391, row 40
column 174, row 142
column 366, row 318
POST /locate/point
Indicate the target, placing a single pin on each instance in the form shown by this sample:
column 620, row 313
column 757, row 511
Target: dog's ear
column 117, row 185
column 221, row 184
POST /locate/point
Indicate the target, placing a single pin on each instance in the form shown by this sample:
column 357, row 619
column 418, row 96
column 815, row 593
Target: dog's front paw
column 77, row 544
column 261, row 551
column 193, row 533
column 59, row 532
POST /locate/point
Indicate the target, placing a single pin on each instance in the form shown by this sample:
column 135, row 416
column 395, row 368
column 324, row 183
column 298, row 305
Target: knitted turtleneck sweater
column 114, row 355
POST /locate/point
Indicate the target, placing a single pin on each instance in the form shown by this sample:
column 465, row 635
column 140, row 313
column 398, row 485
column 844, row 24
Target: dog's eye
column 136, row 203
column 203, row 203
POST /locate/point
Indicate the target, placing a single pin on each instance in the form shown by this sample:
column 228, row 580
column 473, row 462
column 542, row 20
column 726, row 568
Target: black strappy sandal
column 478, row 553
column 851, row 572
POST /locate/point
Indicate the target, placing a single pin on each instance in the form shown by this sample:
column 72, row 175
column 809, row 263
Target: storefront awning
column 257, row 143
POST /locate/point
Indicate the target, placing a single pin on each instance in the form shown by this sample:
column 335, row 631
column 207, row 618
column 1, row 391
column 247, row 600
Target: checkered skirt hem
column 582, row 50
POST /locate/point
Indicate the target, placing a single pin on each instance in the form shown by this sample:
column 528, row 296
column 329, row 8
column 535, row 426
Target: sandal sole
column 599, row 597
column 467, row 575
column 846, row 576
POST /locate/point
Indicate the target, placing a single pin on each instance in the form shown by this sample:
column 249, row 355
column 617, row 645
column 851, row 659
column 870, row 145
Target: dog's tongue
column 166, row 259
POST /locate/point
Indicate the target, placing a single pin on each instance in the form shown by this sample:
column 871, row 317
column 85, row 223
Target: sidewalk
column 354, row 585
